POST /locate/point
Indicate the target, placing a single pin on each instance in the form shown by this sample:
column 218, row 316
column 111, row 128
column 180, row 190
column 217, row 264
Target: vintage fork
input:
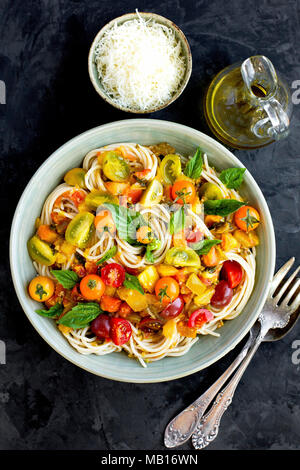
column 275, row 314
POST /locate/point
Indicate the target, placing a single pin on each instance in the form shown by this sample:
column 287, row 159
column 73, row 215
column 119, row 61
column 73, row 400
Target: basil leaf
column 177, row 221
column 222, row 207
column 54, row 311
column 193, row 168
column 232, row 177
column 132, row 282
column 152, row 246
column 111, row 252
column 127, row 222
column 203, row 247
column 66, row 278
column 81, row 315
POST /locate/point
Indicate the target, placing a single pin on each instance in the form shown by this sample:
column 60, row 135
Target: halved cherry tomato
column 91, row 267
column 142, row 174
column 92, row 287
column 173, row 309
column 167, row 289
column 247, row 218
column 124, row 310
column 149, row 324
column 193, row 236
column 110, row 304
column 77, row 197
column 101, row 326
column 232, row 272
column 199, row 317
column 104, row 222
column 41, row 288
column 222, row 295
column 57, row 297
column 113, row 274
column 183, row 192
column 212, row 258
column 134, row 193
column 47, row 234
column 120, row 331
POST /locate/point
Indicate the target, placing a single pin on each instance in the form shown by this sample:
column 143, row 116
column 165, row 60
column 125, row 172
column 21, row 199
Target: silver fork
column 275, row 314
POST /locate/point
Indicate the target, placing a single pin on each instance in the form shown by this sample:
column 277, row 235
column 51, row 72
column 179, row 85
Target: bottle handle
column 276, row 125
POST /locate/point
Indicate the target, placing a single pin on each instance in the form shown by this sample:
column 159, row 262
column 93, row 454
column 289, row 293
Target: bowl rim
column 158, row 19
column 269, row 224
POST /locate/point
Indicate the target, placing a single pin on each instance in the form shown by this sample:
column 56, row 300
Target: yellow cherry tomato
column 41, row 288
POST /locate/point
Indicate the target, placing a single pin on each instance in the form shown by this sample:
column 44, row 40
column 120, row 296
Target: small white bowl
column 93, row 72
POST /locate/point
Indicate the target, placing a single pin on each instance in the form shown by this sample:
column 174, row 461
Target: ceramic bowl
column 118, row 366
column 96, row 81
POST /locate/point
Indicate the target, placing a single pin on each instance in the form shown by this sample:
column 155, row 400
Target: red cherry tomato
column 232, row 272
column 101, row 326
column 113, row 274
column 199, row 317
column 222, row 295
column 149, row 324
column 193, row 236
column 120, row 331
column 173, row 309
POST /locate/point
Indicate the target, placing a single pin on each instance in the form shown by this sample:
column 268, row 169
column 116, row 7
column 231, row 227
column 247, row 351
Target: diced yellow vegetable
column 247, row 240
column 229, row 243
column 169, row 328
column 60, row 258
column 204, row 299
column 166, row 270
column 134, row 298
column 64, row 329
column 197, row 206
column 148, row 278
column 195, row 285
column 67, row 248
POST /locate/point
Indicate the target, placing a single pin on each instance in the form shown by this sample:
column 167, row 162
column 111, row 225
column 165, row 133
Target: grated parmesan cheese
column 140, row 64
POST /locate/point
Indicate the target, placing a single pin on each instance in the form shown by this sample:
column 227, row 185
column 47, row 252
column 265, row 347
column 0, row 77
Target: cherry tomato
column 91, row 267
column 113, row 274
column 149, row 324
column 142, row 174
column 212, row 258
column 104, row 222
column 77, row 197
column 246, row 218
column 232, row 272
column 193, row 236
column 199, row 317
column 222, row 295
column 101, row 326
column 120, row 331
column 183, row 192
column 144, row 235
column 110, row 304
column 134, row 194
column 133, row 271
column 41, row 288
column 173, row 309
column 124, row 310
column 167, row 289
column 92, row 287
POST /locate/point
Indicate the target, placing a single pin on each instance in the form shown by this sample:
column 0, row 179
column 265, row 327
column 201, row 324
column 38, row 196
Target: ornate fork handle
column 208, row 427
column 180, row 429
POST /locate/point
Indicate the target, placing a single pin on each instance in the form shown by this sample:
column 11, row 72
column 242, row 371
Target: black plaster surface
column 45, row 401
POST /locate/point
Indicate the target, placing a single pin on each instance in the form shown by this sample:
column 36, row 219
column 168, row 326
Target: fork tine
column 290, row 293
column 285, row 286
column 295, row 303
column 280, row 274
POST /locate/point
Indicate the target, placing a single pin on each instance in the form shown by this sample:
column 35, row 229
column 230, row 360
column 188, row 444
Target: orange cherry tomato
column 183, row 192
column 92, row 287
column 167, row 289
column 110, row 304
column 104, row 222
column 247, row 218
column 41, row 288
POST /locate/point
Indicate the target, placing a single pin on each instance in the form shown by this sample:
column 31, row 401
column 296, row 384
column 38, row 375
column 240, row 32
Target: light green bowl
column 118, row 366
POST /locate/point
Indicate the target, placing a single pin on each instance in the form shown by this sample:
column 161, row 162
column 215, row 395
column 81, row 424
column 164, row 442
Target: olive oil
column 236, row 109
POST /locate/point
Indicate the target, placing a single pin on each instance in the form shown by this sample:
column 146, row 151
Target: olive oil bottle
column 247, row 105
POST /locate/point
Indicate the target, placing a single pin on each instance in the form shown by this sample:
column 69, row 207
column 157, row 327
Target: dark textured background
column 45, row 401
